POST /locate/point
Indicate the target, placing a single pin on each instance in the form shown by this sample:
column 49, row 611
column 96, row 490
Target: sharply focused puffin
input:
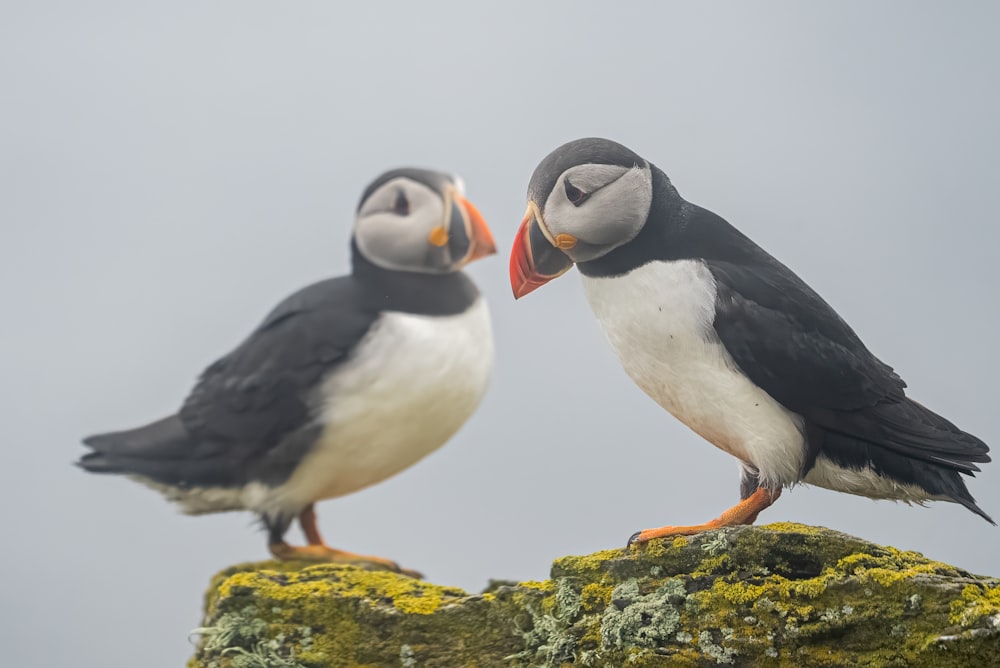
column 345, row 383
column 730, row 341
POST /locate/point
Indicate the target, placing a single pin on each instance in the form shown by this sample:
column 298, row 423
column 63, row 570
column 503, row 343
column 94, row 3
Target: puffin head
column 585, row 199
column 418, row 220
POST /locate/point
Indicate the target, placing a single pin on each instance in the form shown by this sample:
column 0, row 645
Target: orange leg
column 744, row 512
column 307, row 520
column 318, row 551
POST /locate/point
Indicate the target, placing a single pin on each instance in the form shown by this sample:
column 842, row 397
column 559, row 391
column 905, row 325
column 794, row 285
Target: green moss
column 757, row 596
column 590, row 563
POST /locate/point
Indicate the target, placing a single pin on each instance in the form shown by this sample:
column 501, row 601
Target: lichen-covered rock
column 777, row 595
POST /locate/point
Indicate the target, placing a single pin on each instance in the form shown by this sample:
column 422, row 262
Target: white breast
column 658, row 318
column 410, row 386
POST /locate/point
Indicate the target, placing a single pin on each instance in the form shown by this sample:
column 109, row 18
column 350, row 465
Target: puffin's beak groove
column 534, row 261
column 481, row 242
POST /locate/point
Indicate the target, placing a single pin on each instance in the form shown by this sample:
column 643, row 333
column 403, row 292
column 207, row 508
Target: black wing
column 793, row 345
column 248, row 417
column 261, row 391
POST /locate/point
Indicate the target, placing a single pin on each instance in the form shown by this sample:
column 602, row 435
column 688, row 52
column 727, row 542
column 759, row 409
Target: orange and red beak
column 534, row 260
column 481, row 242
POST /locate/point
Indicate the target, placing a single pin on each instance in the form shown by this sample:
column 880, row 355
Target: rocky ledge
column 776, row 595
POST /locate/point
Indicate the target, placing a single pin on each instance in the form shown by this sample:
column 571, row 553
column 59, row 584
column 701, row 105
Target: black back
column 793, row 345
column 251, row 414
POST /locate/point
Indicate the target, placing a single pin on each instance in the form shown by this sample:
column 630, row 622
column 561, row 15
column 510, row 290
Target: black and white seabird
column 345, row 383
column 730, row 341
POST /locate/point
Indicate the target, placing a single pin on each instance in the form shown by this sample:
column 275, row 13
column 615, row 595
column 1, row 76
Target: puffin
column 343, row 384
column 730, row 341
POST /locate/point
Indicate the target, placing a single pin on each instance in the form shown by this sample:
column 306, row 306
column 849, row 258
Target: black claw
column 632, row 540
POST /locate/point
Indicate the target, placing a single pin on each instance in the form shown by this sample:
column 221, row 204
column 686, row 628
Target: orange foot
column 744, row 512
column 321, row 553
column 318, row 551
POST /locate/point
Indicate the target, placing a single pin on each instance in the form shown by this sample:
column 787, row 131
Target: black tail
column 125, row 451
column 909, row 443
column 163, row 451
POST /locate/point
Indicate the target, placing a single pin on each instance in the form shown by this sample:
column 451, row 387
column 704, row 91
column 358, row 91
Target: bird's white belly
column 409, row 387
column 658, row 318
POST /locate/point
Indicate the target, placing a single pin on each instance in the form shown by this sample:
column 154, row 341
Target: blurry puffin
column 730, row 341
column 345, row 383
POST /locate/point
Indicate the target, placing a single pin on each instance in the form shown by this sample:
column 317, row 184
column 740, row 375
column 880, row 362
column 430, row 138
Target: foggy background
column 171, row 170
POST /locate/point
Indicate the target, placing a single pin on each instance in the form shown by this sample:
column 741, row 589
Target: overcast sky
column 171, row 170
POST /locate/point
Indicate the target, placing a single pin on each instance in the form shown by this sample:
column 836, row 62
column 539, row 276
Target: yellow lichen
column 783, row 594
column 891, row 567
column 594, row 597
column 546, row 586
column 713, row 564
column 403, row 593
column 976, row 602
column 794, row 527
column 588, row 562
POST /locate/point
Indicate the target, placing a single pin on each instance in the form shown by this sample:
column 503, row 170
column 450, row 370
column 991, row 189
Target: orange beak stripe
column 480, row 236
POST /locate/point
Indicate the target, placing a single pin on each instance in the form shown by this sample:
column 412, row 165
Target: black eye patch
column 401, row 205
column 575, row 196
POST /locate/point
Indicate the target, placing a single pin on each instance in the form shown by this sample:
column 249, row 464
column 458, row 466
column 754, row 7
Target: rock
column 777, row 595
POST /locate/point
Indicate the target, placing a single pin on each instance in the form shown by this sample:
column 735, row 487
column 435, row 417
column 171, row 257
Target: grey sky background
column 171, row 170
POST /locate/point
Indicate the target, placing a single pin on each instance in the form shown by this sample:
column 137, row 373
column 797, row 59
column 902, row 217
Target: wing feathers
column 794, row 346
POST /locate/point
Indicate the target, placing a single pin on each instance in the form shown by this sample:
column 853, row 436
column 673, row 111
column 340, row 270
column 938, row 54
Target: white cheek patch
column 394, row 241
column 590, row 178
column 613, row 214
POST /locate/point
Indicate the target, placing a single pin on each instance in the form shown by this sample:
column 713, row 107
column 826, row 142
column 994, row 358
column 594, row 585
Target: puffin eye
column 401, row 205
column 575, row 196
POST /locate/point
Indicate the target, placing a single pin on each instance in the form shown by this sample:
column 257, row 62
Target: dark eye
column 575, row 196
column 401, row 205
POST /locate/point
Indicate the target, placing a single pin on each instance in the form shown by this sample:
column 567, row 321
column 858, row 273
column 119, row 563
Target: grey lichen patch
column 830, row 615
column 764, row 604
column 262, row 655
column 716, row 543
column 754, row 596
column 567, row 599
column 547, row 640
column 240, row 636
column 642, row 620
column 713, row 650
column 406, row 657
column 232, row 627
column 552, row 627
